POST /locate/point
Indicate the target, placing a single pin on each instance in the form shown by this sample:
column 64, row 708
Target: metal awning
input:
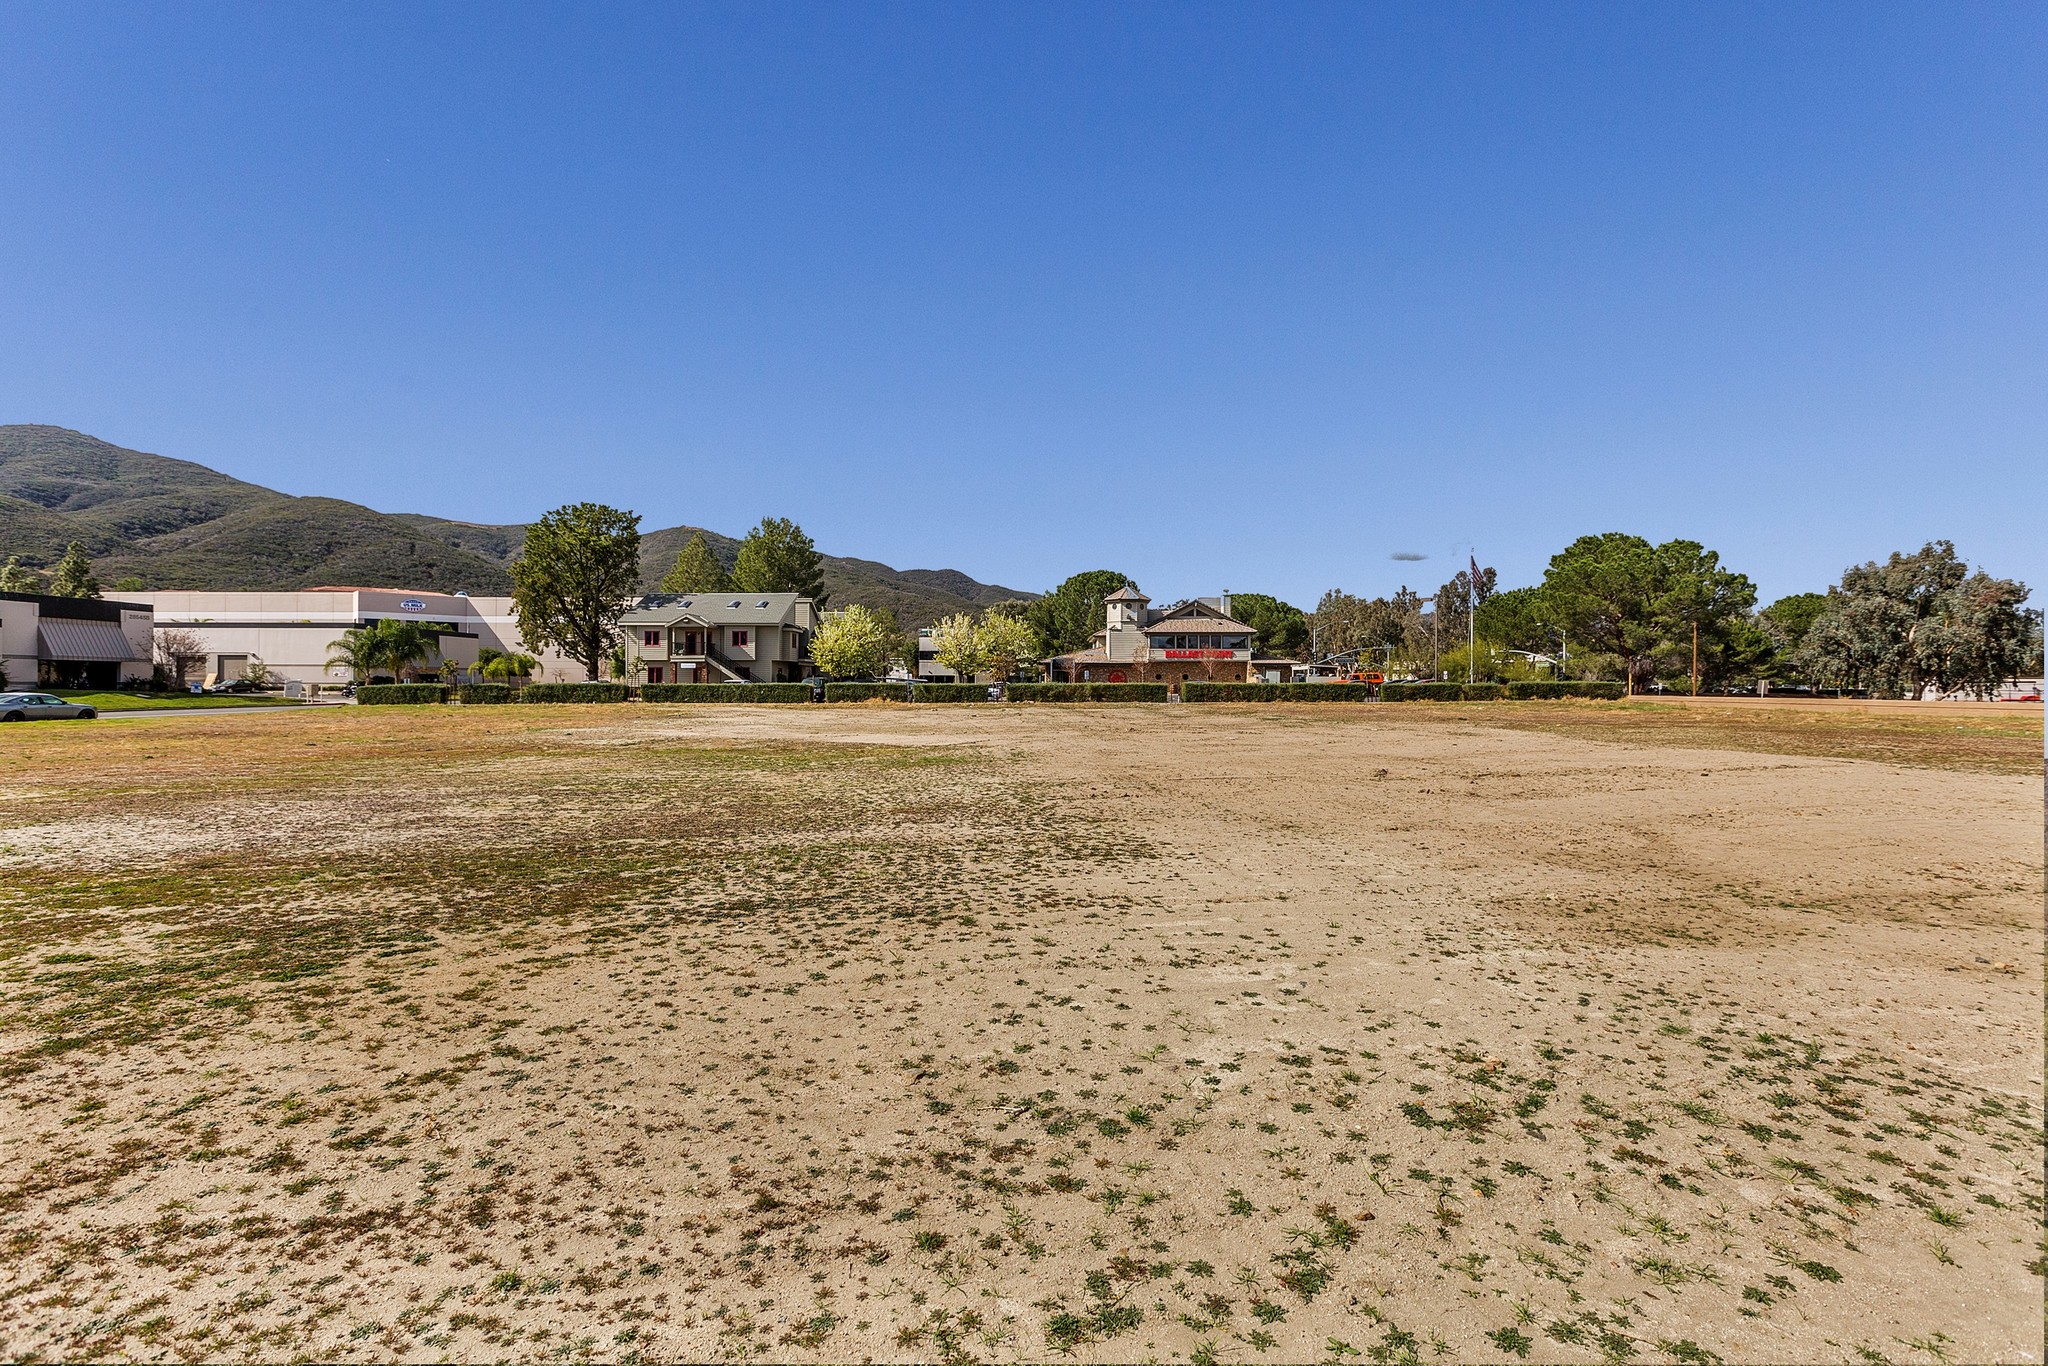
column 84, row 640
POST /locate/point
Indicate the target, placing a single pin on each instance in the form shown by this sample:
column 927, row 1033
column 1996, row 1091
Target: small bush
column 1087, row 692
column 1526, row 692
column 725, row 692
column 476, row 694
column 864, row 692
column 1483, row 692
column 400, row 694
column 1276, row 692
column 574, row 692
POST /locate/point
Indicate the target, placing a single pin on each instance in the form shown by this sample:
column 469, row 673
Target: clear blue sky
column 1222, row 296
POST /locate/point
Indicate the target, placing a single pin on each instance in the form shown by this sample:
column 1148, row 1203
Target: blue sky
column 1222, row 296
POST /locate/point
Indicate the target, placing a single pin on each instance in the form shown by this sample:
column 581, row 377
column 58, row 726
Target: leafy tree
column 573, row 579
column 1068, row 617
column 1457, row 599
column 1918, row 621
column 956, row 646
column 399, row 645
column 1790, row 618
column 854, row 642
column 127, row 583
column 1518, row 619
column 18, row 578
column 1621, row 596
column 73, row 577
column 1343, row 623
column 777, row 557
column 1281, row 629
column 1006, row 641
column 697, row 570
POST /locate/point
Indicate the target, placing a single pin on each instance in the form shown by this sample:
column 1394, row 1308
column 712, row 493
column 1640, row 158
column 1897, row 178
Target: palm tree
column 404, row 643
column 359, row 651
column 505, row 664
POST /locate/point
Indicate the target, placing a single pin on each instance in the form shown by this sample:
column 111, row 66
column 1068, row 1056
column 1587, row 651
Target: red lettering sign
column 1200, row 654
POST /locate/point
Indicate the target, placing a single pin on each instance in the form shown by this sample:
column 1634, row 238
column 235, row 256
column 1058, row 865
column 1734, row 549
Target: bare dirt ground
column 1388, row 1034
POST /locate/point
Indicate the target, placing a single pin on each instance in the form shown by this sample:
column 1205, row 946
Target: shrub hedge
column 1087, row 692
column 862, row 692
column 574, row 692
column 1422, row 692
column 1483, row 692
column 1275, row 692
column 400, row 694
column 950, row 692
column 725, row 692
column 474, row 694
column 1605, row 692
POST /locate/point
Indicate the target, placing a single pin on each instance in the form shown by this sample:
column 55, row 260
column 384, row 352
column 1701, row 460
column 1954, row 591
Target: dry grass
column 994, row 1033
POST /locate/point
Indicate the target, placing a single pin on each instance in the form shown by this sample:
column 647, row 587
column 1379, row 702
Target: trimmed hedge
column 400, row 694
column 1276, row 692
column 573, row 692
column 950, row 692
column 477, row 694
column 1484, row 692
column 863, row 692
column 725, row 692
column 1604, row 692
column 1422, row 692
column 1086, row 692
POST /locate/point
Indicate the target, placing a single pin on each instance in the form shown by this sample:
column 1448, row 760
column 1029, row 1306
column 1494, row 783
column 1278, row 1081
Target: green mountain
column 175, row 524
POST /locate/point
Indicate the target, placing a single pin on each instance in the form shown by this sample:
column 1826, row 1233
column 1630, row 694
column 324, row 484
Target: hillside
column 176, row 524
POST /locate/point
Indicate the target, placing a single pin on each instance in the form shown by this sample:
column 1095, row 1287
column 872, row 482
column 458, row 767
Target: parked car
column 40, row 706
column 233, row 685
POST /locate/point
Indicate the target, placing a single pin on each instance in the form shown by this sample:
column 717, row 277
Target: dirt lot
column 1566, row 1032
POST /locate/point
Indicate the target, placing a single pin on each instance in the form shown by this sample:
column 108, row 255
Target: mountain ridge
column 178, row 524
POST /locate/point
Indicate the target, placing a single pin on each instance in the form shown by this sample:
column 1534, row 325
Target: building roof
column 1195, row 616
column 713, row 609
column 65, row 638
column 1129, row 593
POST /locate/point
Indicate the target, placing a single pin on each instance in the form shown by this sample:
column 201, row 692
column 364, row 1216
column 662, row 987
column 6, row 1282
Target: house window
column 739, row 640
column 654, row 673
column 650, row 637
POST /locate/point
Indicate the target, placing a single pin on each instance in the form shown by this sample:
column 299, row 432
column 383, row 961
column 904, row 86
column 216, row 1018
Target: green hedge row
column 899, row 692
column 1087, row 692
column 1429, row 692
column 725, row 692
column 862, row 692
column 574, row 692
column 400, row 694
column 1275, row 692
column 1604, row 692
column 478, row 694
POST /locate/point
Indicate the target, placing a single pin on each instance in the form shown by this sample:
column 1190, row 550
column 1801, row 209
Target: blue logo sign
column 412, row 605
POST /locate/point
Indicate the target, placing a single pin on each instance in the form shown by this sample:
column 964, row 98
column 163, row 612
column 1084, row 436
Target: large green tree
column 776, row 557
column 1619, row 595
column 574, row 578
column 854, row 642
column 1068, row 617
column 1919, row 621
column 1282, row 628
column 697, row 569
column 73, row 576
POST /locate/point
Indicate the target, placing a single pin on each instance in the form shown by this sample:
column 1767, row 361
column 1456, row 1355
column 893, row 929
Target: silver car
column 40, row 706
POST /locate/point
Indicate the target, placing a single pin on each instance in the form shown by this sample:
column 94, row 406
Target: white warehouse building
column 291, row 633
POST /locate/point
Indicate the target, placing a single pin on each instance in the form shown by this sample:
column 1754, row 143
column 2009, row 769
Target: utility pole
column 1472, row 621
column 1695, row 659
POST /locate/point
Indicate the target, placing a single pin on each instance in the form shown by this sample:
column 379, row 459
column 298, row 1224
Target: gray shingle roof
column 713, row 609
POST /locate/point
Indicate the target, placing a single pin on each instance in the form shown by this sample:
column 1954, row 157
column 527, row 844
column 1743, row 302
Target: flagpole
column 1472, row 617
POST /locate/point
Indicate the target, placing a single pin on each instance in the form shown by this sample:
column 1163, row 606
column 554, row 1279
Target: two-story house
column 1194, row 640
column 720, row 638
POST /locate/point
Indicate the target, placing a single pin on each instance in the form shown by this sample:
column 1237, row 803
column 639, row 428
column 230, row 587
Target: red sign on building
column 1200, row 654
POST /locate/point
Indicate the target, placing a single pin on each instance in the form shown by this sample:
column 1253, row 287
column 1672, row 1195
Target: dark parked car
column 234, row 685
column 40, row 706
